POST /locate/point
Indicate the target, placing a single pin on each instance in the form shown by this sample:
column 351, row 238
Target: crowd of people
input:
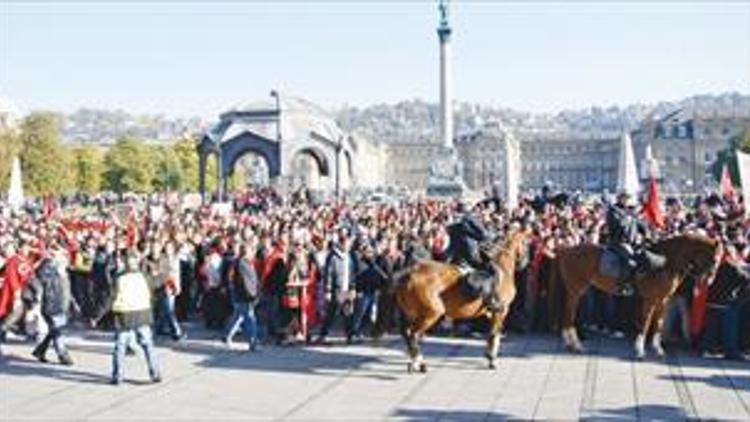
column 287, row 269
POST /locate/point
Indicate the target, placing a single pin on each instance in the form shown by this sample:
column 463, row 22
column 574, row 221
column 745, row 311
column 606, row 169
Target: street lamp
column 275, row 94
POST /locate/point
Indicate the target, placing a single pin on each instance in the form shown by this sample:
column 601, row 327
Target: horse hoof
column 493, row 364
column 640, row 356
column 409, row 368
column 423, row 367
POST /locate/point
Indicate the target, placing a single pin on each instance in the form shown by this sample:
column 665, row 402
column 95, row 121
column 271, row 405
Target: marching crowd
column 286, row 269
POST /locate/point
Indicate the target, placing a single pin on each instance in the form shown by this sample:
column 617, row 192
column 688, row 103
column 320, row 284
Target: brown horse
column 431, row 290
column 578, row 267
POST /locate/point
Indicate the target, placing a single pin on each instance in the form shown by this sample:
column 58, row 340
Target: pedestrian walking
column 132, row 317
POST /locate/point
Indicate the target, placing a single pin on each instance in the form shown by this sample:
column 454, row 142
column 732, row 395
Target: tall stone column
column 446, row 94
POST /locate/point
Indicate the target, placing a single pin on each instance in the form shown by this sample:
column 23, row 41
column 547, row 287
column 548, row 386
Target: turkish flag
column 651, row 209
column 726, row 188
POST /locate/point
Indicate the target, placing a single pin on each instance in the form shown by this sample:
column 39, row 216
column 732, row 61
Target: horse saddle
column 476, row 283
column 620, row 262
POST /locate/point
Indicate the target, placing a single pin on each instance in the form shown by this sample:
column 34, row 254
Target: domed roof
column 299, row 117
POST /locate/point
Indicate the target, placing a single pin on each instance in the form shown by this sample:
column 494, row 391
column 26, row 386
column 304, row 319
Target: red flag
column 651, row 209
column 727, row 190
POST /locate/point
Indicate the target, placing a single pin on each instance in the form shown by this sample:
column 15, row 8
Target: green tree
column 44, row 161
column 128, row 167
column 168, row 174
column 728, row 157
column 89, row 169
column 187, row 158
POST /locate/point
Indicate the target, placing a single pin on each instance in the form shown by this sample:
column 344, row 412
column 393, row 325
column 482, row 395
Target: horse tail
column 556, row 296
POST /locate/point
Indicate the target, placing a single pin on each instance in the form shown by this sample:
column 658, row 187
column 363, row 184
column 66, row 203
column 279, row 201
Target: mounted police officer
column 626, row 235
column 466, row 236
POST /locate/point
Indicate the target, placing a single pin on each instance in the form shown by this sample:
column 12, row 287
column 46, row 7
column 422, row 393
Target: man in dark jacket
column 370, row 279
column 625, row 235
column 466, row 235
column 340, row 286
column 55, row 294
column 244, row 292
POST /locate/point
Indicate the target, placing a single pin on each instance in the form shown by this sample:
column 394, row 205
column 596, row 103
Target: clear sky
column 197, row 58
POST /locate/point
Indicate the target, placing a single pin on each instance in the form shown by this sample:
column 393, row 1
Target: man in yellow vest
column 132, row 314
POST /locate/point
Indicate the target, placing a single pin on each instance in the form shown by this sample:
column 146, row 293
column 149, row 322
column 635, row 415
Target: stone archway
column 230, row 151
column 310, row 167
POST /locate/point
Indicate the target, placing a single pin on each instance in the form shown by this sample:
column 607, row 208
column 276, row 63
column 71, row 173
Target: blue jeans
column 244, row 317
column 145, row 339
column 166, row 316
column 54, row 336
column 363, row 308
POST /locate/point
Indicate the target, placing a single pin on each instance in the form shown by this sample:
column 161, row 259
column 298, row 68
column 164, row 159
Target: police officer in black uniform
column 625, row 234
column 466, row 235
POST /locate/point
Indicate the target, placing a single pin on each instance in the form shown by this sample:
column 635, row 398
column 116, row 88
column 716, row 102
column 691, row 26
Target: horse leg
column 493, row 340
column 657, row 326
column 405, row 328
column 642, row 325
column 432, row 314
column 417, row 331
column 570, row 337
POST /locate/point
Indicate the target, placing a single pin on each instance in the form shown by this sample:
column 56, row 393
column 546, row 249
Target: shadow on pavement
column 741, row 383
column 642, row 412
column 17, row 366
column 430, row 415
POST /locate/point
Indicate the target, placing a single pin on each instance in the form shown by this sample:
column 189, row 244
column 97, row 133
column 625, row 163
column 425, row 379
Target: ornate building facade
column 685, row 144
column 408, row 164
column 570, row 162
column 485, row 155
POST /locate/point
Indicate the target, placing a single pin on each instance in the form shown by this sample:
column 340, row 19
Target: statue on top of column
column 443, row 8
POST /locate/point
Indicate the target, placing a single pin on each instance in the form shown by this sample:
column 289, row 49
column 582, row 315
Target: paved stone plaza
column 206, row 381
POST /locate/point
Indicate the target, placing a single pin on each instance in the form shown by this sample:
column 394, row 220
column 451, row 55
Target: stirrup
column 494, row 305
column 625, row 289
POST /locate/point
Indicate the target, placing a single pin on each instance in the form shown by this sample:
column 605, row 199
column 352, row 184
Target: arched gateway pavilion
column 299, row 142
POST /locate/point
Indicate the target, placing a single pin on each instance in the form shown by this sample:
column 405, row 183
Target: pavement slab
column 536, row 379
